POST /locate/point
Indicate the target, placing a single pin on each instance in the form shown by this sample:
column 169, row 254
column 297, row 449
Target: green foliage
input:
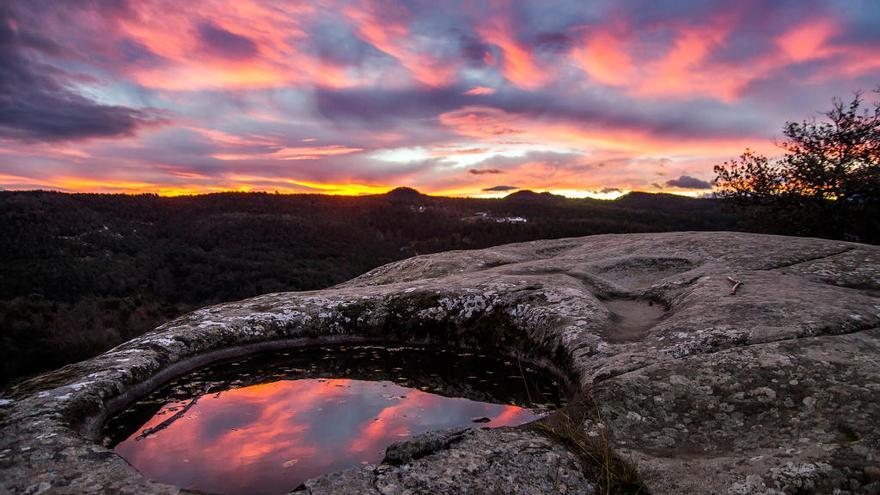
column 826, row 184
column 81, row 273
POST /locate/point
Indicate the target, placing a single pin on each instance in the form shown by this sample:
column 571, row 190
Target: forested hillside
column 80, row 273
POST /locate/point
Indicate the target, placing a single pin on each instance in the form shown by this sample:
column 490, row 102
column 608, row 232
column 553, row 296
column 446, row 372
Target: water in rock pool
column 266, row 423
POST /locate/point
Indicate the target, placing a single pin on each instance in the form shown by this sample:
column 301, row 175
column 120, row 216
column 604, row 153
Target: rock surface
column 773, row 389
column 464, row 461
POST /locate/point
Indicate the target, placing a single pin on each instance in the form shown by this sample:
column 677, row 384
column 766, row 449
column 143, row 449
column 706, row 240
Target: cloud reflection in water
column 268, row 438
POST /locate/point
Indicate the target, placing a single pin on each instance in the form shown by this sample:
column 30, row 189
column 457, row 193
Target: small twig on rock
column 525, row 382
column 736, row 284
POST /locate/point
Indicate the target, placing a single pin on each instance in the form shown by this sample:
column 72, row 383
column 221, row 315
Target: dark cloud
column 568, row 161
column 554, row 42
column 36, row 104
column 500, row 188
column 337, row 43
column 709, row 119
column 473, row 51
column 484, row 171
column 688, row 182
column 608, row 190
column 134, row 52
column 706, row 119
column 371, row 104
column 223, row 43
column 861, row 23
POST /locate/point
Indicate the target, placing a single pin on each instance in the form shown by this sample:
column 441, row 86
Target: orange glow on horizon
column 79, row 185
column 234, row 184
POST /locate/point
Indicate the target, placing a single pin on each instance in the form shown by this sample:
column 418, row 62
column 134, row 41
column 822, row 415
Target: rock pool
column 266, row 423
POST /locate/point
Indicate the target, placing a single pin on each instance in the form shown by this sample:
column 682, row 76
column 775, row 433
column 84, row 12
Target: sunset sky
column 458, row 98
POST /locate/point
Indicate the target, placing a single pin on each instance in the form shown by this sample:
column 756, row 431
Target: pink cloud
column 518, row 63
column 604, row 56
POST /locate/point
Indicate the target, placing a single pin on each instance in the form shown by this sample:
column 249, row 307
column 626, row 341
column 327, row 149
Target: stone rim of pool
column 472, row 389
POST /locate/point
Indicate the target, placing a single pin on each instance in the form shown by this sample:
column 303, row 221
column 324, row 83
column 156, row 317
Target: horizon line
column 579, row 194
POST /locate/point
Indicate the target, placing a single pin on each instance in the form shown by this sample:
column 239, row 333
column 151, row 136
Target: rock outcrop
column 772, row 389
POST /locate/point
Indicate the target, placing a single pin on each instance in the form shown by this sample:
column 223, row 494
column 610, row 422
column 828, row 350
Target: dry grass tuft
column 566, row 426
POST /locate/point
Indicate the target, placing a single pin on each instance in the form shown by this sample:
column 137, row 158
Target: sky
column 471, row 98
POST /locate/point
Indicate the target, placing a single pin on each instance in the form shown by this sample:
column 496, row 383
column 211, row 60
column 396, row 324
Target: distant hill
column 405, row 194
column 532, row 196
column 83, row 272
column 637, row 199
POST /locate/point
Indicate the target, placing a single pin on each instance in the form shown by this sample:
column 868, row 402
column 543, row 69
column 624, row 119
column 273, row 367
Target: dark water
column 266, row 423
